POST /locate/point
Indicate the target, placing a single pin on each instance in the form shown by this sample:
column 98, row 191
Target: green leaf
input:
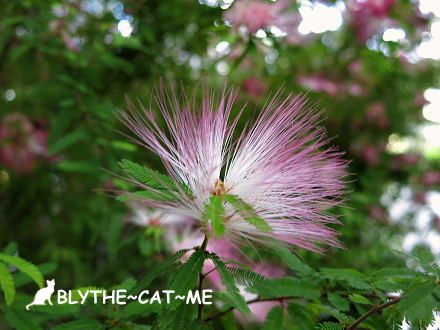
column 416, row 295
column 17, row 319
column 244, row 276
column 342, row 273
column 387, row 285
column 66, row 141
column 23, row 279
column 179, row 319
column 294, row 262
column 24, row 266
column 80, row 325
column 288, row 286
column 187, row 276
column 7, row 284
column 360, row 299
column 339, row 302
column 165, row 266
column 155, row 195
column 299, row 316
column 215, row 212
column 330, row 326
column 148, row 177
column 247, row 212
column 274, row 319
column 395, row 272
column 228, row 280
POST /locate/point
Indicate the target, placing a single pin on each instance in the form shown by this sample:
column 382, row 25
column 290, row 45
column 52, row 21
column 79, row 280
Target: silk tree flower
column 370, row 17
column 257, row 14
column 22, row 143
column 277, row 167
column 254, row 87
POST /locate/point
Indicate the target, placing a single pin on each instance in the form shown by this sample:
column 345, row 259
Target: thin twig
column 372, row 311
column 201, row 277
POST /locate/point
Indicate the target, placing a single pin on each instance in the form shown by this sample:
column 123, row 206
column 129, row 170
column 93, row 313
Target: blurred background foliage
column 66, row 65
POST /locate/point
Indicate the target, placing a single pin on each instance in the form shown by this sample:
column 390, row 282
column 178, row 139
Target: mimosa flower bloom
column 278, row 165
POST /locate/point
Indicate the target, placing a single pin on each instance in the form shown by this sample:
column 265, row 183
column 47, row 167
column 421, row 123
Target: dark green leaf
column 228, row 280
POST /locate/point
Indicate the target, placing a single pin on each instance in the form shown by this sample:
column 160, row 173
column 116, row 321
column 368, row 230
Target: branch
column 372, row 311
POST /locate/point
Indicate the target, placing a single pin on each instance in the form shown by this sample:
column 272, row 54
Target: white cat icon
column 43, row 295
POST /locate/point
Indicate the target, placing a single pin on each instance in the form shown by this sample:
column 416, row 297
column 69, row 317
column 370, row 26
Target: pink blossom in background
column 22, row 143
column 431, row 178
column 318, row 83
column 259, row 14
column 254, row 87
column 369, row 17
column 377, row 114
column 355, row 67
column 277, row 166
column 378, row 213
column 261, row 309
column 406, row 159
column 355, row 89
column 420, row 100
column 253, row 14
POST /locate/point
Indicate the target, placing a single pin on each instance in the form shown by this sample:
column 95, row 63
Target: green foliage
column 7, row 284
column 65, row 66
column 288, row 286
column 274, row 319
column 228, row 280
column 187, row 276
column 215, row 213
column 80, row 324
column 247, row 212
column 360, row 299
column 24, row 266
column 244, row 276
column 166, row 266
column 146, row 176
column 7, row 281
column 338, row 302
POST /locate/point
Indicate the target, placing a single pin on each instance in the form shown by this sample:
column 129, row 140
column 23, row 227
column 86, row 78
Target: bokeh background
column 65, row 66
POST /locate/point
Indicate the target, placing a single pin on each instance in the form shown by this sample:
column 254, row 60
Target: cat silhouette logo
column 43, row 295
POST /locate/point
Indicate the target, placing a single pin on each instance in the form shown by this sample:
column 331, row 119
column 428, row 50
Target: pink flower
column 318, row 83
column 21, row 143
column 258, row 14
column 254, row 87
column 277, row 166
column 378, row 213
column 377, row 113
column 401, row 161
column 431, row 178
column 253, row 14
column 369, row 17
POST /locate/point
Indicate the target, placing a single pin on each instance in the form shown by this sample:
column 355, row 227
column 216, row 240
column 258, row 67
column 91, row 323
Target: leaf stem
column 201, row 278
column 372, row 311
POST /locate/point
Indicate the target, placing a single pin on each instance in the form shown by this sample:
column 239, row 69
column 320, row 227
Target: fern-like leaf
column 359, row 299
column 24, row 266
column 187, row 276
column 166, row 266
column 247, row 212
column 7, row 284
column 228, row 280
column 215, row 212
column 330, row 326
column 244, row 276
column 274, row 319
